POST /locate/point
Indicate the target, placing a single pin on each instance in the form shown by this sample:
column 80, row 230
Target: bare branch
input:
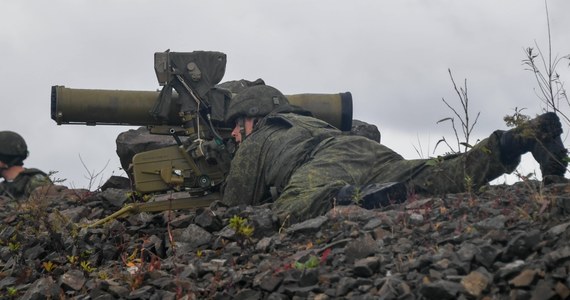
column 464, row 118
column 92, row 175
column 551, row 89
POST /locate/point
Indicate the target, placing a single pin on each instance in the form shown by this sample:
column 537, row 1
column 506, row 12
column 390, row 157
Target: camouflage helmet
column 255, row 101
column 13, row 148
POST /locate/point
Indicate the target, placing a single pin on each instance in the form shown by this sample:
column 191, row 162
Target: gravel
column 506, row 242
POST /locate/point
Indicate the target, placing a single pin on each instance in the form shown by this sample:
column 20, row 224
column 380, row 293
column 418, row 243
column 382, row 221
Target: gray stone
column 496, row 222
column 263, row 244
column 521, row 245
column 163, row 283
column 206, row 219
column 373, row 224
column 73, row 214
column 34, row 252
column 7, row 281
column 181, row 221
column 361, row 247
column 543, row 290
column 193, row 235
column 416, row 219
column 421, row 203
column 344, row 286
column 394, row 288
column 134, row 141
column 519, row 294
column 403, row 245
column 115, row 197
column 277, row 296
column 227, row 233
column 264, row 222
column 563, row 204
column 97, row 294
column 309, row 277
column 308, row 226
column 486, row 255
column 362, row 270
column 43, row 288
column 366, row 267
column 441, row 289
column 117, row 290
column 154, row 244
column 510, row 269
column 144, row 292
column 268, row 281
column 117, row 182
column 467, row 252
column 558, row 229
column 73, row 279
column 298, row 292
column 557, row 256
column 247, row 294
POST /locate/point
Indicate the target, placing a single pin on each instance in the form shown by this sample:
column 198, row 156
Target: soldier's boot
column 542, row 137
column 373, row 195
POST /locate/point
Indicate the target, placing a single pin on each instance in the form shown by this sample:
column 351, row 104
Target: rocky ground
column 508, row 242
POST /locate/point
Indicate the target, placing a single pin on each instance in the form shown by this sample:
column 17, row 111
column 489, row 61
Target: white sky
column 393, row 57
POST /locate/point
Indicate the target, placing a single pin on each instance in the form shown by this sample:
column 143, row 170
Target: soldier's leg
column 463, row 172
column 496, row 155
column 542, row 137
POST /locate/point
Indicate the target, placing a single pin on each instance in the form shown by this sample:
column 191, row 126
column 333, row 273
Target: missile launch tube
column 131, row 108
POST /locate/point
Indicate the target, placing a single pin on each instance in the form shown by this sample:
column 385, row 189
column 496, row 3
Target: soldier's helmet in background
column 13, row 148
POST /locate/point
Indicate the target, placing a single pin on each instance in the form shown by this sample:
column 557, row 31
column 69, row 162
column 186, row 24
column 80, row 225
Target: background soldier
column 305, row 166
column 18, row 181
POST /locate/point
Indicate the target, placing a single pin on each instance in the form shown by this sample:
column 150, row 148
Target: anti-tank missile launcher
column 190, row 107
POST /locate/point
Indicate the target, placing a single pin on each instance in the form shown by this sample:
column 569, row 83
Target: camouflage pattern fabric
column 300, row 163
column 24, row 184
column 268, row 156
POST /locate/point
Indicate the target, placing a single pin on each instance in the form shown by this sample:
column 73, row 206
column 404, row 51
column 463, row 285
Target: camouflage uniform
column 24, row 184
column 300, row 163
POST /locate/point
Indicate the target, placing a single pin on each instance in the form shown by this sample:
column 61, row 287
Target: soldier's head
column 13, row 150
column 250, row 105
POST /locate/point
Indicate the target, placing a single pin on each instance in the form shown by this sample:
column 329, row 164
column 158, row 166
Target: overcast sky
column 393, row 56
